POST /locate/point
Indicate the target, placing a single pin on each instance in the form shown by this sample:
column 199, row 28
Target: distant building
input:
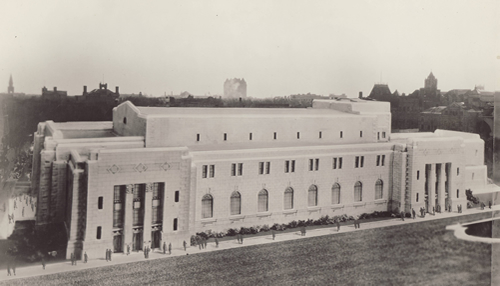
column 53, row 94
column 235, row 88
column 455, row 116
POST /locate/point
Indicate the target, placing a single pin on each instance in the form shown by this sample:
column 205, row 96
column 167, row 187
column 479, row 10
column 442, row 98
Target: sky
column 278, row 47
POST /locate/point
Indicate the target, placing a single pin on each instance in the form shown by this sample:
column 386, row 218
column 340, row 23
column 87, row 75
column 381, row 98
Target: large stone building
column 166, row 173
column 235, row 88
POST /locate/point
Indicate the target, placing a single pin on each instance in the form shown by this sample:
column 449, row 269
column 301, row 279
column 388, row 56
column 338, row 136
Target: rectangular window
column 316, row 167
column 99, row 232
column 175, row 224
column 240, row 169
column 378, row 135
column 261, row 168
column 341, row 134
column 383, row 134
column 292, row 167
column 378, row 160
column 204, row 170
column 250, row 136
column 176, row 196
column 100, row 202
column 197, row 137
column 356, row 162
column 334, row 163
column 311, row 164
column 212, row 171
column 320, row 135
column 418, row 175
column 383, row 160
column 268, row 167
column 298, row 135
column 287, row 166
column 340, row 162
column 275, row 135
column 458, row 171
column 233, row 169
column 360, row 133
column 225, row 136
column 362, row 161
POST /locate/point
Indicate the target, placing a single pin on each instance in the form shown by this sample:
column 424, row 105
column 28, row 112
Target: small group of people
column 146, row 251
column 239, row 237
column 459, row 208
column 165, row 248
column 356, row 222
column 422, row 212
column 302, row 231
column 109, row 252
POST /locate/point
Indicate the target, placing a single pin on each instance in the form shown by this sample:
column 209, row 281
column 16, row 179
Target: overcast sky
column 279, row 47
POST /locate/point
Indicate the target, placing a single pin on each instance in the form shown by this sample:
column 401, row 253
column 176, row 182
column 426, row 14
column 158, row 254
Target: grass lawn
column 414, row 254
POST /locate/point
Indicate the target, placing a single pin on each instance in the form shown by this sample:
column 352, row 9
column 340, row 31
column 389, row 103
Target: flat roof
column 240, row 112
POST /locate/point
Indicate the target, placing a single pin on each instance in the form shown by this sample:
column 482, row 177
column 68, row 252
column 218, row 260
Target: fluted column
column 441, row 190
column 148, row 203
column 431, row 198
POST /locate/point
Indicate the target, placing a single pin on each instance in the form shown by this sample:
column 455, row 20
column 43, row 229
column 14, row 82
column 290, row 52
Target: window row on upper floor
column 225, row 136
column 235, row 200
column 264, row 168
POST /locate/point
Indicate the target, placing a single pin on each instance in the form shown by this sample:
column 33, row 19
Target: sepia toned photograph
column 250, row 142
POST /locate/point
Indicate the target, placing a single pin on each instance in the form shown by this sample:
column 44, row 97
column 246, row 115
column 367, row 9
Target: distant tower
column 235, row 88
column 431, row 82
column 11, row 86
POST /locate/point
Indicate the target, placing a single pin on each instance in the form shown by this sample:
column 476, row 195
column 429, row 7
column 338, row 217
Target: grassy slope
column 418, row 254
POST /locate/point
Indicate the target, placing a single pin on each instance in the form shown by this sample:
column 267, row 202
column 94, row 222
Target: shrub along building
column 166, row 173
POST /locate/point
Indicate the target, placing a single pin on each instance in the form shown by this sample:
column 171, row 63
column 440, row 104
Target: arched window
column 288, row 198
column 379, row 189
column 235, row 203
column 207, row 206
column 263, row 201
column 312, row 196
column 358, row 192
column 336, row 194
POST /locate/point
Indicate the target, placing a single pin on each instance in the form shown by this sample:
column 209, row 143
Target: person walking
column 43, row 262
column 14, row 265
column 164, row 247
column 241, row 238
column 72, row 258
column 402, row 215
column 107, row 259
column 489, row 204
column 413, row 213
column 184, row 244
column 216, row 242
column 169, row 248
column 273, row 233
column 8, row 267
column 337, row 223
column 85, row 257
column 482, row 206
column 128, row 249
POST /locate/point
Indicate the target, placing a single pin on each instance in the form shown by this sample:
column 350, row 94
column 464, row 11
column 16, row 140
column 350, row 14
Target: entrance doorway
column 137, row 241
column 118, row 243
column 155, row 239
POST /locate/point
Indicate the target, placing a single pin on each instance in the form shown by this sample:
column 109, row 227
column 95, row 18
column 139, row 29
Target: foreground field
column 417, row 254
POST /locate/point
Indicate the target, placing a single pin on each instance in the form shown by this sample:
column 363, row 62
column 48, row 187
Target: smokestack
column 360, row 94
column 84, row 89
column 117, row 89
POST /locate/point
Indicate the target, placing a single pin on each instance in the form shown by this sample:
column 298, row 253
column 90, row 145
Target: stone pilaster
column 441, row 190
column 128, row 209
column 148, row 204
column 431, row 181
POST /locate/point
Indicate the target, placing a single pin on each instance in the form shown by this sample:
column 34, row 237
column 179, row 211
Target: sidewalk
column 66, row 266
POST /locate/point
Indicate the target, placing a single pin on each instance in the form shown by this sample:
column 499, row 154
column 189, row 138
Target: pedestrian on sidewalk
column 402, row 215
column 169, row 248
column 128, row 249
column 8, row 267
column 241, row 238
column 184, row 244
column 85, row 257
column 238, row 238
column 14, row 265
column 433, row 210
column 482, row 206
column 164, row 247
column 273, row 232
column 489, row 204
column 107, row 259
column 413, row 213
column 43, row 262
column 144, row 252
column 216, row 242
column 72, row 258
column 337, row 223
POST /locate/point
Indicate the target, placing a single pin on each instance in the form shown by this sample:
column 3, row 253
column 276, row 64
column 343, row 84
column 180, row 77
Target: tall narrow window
column 204, row 171
column 235, row 203
column 176, row 197
column 100, row 202
column 311, row 164
column 212, row 171
column 288, row 199
column 336, row 194
column 316, row 165
column 312, row 196
column 418, row 175
column 362, row 161
column 379, row 189
column 118, row 201
column 268, row 167
column 263, row 201
column 320, row 135
column 334, row 163
column 287, row 166
column 197, row 137
column 275, row 135
column 378, row 160
column 341, row 134
column 207, row 206
column 458, row 171
column 175, row 224
column 292, row 166
column 225, row 136
column 340, row 162
column 99, row 232
column 261, row 168
column 383, row 134
column 358, row 192
column 356, row 162
column 416, row 199
column 360, row 133
column 233, row 169
column 250, row 136
column 458, row 193
column 383, row 160
column 378, row 135
column 240, row 169
column 298, row 135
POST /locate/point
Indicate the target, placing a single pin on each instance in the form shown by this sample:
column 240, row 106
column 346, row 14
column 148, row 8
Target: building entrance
column 137, row 241
column 155, row 239
column 118, row 243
